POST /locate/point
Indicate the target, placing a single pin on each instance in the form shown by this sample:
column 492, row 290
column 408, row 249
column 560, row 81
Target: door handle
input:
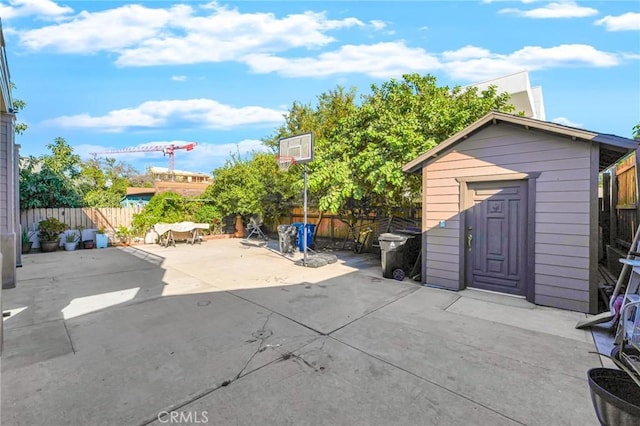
column 469, row 239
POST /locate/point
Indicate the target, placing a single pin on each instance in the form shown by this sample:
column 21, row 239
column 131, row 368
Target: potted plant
column 49, row 231
column 26, row 241
column 124, row 234
column 102, row 240
column 615, row 393
column 71, row 241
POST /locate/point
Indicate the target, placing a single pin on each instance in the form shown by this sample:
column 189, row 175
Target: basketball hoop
column 285, row 162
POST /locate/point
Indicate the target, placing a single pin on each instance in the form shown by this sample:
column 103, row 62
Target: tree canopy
column 62, row 179
column 251, row 186
column 360, row 147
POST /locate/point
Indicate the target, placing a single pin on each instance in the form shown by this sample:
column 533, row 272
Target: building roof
column 524, row 98
column 140, row 191
column 164, row 170
column 612, row 147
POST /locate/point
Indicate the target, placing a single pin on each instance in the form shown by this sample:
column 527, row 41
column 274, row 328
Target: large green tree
column 104, row 181
column 48, row 180
column 360, row 147
column 254, row 185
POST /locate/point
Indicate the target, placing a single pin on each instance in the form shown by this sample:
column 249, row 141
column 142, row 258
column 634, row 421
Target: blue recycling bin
column 310, row 229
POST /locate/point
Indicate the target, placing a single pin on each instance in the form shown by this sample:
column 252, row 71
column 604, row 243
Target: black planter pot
column 47, row 246
column 26, row 247
column 615, row 397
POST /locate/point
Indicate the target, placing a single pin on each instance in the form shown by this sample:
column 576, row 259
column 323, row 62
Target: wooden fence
column 335, row 228
column 88, row 218
column 619, row 210
column 328, row 225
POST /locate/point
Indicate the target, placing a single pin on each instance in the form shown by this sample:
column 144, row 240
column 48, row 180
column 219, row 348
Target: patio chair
column 253, row 227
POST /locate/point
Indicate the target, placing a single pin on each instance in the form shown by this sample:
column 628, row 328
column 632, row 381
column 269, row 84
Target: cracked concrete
column 239, row 335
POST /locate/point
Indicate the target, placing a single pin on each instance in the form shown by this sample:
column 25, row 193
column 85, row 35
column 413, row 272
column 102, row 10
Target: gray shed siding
column 563, row 252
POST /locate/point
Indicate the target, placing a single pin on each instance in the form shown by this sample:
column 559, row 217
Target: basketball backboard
column 300, row 147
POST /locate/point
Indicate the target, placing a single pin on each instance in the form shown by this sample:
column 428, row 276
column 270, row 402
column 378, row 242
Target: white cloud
column 629, row 21
column 179, row 77
column 38, row 8
column 200, row 113
column 565, row 9
column 467, row 52
column 143, row 36
column 108, row 30
column 531, row 58
column 377, row 24
column 566, row 122
column 377, row 60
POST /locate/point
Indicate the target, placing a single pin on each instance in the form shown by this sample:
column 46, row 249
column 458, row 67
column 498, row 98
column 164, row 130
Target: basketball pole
column 304, row 233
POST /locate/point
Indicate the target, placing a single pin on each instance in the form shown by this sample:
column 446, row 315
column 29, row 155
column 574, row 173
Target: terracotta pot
column 239, row 227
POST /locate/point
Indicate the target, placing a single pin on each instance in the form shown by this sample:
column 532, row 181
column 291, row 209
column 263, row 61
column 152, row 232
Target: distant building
column 524, row 97
column 187, row 184
column 162, row 174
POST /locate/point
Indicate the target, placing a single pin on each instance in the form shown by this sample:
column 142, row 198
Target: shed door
column 495, row 237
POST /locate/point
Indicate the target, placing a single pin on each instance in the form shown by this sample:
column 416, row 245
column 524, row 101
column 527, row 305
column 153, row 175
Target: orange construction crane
column 165, row 149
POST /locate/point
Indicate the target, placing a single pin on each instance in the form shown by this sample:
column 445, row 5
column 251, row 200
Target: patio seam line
column 73, row 349
column 313, row 329
column 458, row 297
column 429, row 381
column 225, row 383
column 275, row 312
column 246, row 364
column 411, row 291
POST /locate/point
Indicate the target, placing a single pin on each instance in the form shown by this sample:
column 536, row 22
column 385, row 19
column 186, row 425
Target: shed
column 510, row 205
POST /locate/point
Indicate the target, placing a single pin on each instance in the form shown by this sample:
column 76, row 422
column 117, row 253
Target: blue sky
column 118, row 74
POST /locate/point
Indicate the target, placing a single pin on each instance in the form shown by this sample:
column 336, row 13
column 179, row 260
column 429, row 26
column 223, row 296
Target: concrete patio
column 226, row 334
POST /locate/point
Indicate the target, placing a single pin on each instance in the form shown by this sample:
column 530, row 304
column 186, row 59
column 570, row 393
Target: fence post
column 606, row 211
column 637, row 185
column 613, row 222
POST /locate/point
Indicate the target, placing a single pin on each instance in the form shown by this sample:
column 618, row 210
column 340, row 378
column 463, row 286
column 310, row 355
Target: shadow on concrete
column 336, row 345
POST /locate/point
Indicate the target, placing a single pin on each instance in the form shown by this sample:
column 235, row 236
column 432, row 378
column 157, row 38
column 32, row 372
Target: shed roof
column 612, row 147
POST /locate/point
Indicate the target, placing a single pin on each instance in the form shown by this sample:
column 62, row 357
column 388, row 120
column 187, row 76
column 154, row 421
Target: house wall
column 562, row 211
column 8, row 208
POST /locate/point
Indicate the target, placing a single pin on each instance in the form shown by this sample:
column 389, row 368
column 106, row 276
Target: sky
column 108, row 75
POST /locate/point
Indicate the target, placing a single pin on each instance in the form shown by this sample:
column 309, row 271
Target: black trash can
column 392, row 252
column 287, row 236
column 399, row 253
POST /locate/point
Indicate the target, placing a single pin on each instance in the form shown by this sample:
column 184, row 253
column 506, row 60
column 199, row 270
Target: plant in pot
column 615, row 393
column 102, row 240
column 124, row 234
column 49, row 231
column 71, row 241
column 26, row 241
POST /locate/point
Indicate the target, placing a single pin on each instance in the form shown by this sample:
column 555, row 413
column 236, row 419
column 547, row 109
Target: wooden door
column 495, row 237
